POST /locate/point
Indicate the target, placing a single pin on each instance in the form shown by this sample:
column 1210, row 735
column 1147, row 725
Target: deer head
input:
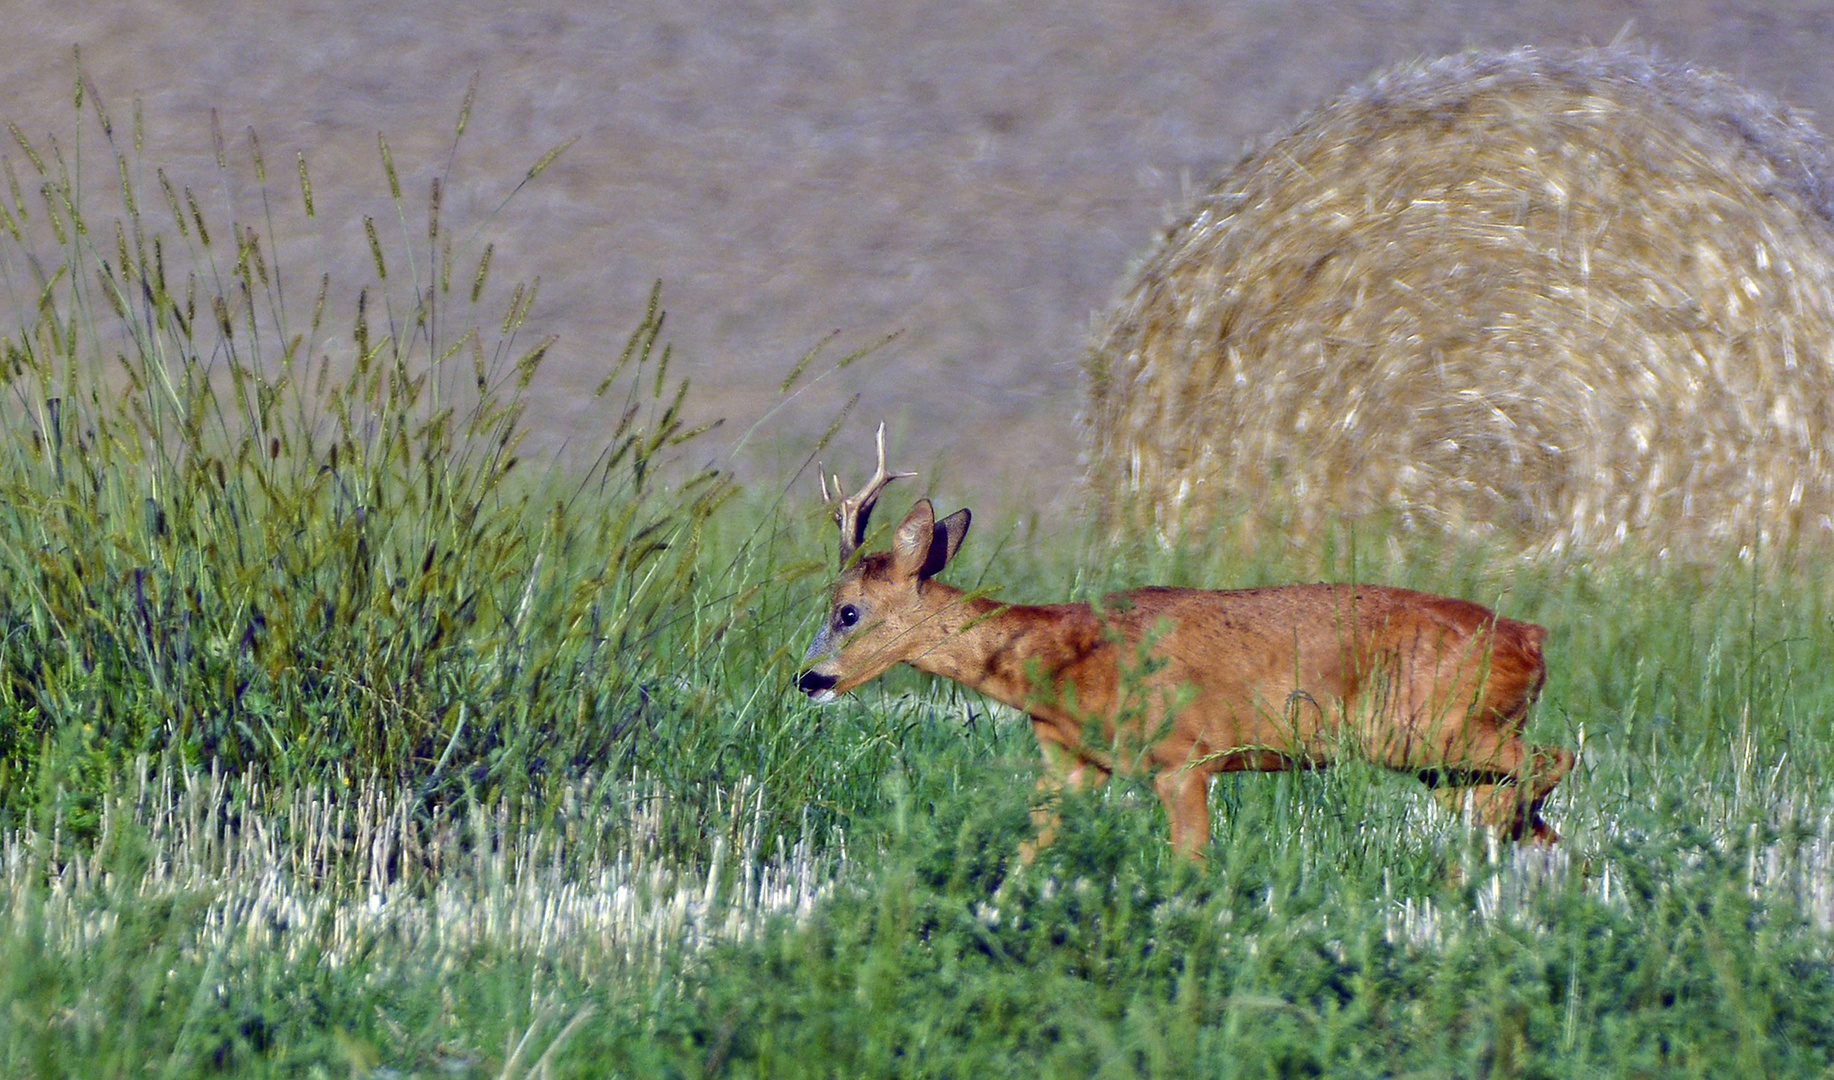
column 878, row 615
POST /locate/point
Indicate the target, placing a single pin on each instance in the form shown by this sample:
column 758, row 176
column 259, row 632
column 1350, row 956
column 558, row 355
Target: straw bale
column 1566, row 301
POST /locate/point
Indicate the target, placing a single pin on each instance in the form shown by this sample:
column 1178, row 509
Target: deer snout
column 819, row 687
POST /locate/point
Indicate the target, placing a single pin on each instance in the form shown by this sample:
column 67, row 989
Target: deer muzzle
column 819, row 687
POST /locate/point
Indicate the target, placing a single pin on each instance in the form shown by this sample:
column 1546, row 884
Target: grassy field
column 334, row 740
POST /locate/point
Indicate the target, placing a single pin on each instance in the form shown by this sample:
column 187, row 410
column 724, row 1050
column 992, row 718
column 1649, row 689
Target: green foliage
column 305, row 543
column 938, row 954
column 1099, row 962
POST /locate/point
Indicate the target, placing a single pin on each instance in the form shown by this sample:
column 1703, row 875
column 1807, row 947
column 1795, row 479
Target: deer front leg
column 1185, row 792
column 1063, row 768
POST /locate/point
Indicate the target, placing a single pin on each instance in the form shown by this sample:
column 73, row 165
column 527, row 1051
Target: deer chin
column 824, row 697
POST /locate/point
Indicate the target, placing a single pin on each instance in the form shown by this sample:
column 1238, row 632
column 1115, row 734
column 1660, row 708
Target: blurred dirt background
column 975, row 176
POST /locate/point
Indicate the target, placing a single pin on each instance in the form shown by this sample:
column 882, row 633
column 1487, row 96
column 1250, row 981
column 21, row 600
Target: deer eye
column 847, row 616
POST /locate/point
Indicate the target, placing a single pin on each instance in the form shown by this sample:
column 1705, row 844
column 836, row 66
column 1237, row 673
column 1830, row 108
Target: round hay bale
column 1564, row 301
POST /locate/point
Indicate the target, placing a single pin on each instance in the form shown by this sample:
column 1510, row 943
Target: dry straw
column 1570, row 301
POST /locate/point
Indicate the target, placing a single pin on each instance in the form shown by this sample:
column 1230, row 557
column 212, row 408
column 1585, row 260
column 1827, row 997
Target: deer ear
column 946, row 541
column 912, row 542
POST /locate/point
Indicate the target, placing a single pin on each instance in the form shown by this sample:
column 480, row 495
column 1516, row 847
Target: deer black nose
column 813, row 682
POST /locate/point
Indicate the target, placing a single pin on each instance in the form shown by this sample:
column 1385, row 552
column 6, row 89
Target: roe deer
column 1253, row 679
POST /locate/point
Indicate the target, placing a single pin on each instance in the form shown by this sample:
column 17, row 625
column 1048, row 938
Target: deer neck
column 1015, row 654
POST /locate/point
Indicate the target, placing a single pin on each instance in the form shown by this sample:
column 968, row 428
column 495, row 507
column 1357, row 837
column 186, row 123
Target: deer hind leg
column 1063, row 768
column 1510, row 807
column 1502, row 779
column 1474, row 757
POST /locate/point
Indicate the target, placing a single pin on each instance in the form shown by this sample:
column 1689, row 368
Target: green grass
column 333, row 742
column 234, row 533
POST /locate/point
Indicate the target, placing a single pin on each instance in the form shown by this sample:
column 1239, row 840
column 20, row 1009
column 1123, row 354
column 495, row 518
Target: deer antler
column 852, row 512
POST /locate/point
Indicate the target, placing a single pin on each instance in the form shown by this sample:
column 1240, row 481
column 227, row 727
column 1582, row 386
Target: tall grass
column 265, row 519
